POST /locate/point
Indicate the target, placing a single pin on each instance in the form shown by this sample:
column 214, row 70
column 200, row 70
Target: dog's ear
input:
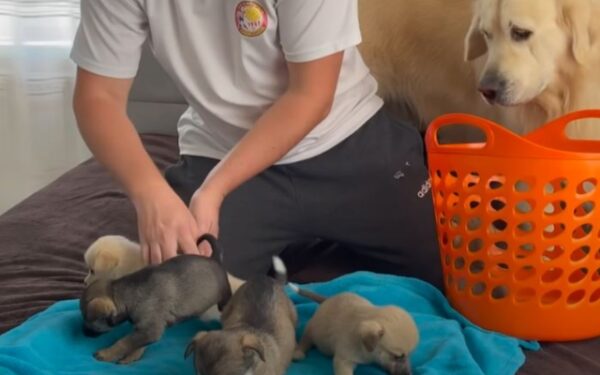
column 101, row 308
column 191, row 348
column 252, row 348
column 194, row 343
column 106, row 260
column 475, row 44
column 370, row 333
column 577, row 21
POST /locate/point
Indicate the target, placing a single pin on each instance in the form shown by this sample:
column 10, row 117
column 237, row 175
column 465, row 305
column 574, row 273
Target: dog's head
column 111, row 257
column 528, row 44
column 97, row 308
column 228, row 353
column 390, row 337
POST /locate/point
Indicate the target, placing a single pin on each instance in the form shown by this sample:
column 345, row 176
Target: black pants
column 369, row 194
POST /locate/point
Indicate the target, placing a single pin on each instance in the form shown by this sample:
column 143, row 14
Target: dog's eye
column 520, row 35
column 92, row 271
column 399, row 358
column 486, row 34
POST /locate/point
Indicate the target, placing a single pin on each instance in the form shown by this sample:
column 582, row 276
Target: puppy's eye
column 486, row 34
column 399, row 358
column 520, row 35
column 92, row 272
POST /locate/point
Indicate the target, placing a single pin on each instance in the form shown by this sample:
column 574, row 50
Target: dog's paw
column 298, row 355
column 106, row 355
column 132, row 357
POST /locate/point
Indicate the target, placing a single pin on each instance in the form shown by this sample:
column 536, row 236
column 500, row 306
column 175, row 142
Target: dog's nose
column 492, row 87
column 489, row 94
column 87, row 332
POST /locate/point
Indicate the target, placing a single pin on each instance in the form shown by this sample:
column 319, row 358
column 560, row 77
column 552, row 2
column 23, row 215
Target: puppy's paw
column 106, row 355
column 132, row 357
column 298, row 355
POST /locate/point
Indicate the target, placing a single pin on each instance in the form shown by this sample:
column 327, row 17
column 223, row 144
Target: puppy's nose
column 90, row 333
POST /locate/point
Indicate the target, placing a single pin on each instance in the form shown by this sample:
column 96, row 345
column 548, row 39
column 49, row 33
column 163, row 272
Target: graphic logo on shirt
column 250, row 18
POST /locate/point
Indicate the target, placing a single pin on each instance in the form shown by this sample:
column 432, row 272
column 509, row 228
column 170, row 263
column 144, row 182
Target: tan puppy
column 112, row 257
column 354, row 331
column 539, row 60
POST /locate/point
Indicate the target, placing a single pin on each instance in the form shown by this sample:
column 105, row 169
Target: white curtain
column 38, row 137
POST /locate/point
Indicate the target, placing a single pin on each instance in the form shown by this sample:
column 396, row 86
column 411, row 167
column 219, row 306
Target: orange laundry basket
column 518, row 221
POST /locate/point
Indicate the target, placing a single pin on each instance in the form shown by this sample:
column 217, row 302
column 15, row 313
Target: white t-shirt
column 228, row 58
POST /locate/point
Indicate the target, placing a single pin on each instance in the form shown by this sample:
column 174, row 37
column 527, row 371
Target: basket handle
column 554, row 131
column 495, row 135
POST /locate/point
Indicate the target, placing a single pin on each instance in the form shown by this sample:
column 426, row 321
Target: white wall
column 38, row 137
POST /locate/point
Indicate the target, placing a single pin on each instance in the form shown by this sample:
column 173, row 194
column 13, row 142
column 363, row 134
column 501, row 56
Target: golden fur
column 417, row 49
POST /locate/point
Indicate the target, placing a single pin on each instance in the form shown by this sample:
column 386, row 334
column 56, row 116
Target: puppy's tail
column 217, row 253
column 280, row 270
column 307, row 293
column 281, row 276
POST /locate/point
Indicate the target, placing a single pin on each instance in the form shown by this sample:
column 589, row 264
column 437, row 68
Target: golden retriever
column 531, row 60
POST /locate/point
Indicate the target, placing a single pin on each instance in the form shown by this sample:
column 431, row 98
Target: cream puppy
column 354, row 331
column 111, row 257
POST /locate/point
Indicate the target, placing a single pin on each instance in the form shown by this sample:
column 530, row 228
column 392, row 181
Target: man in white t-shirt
column 284, row 139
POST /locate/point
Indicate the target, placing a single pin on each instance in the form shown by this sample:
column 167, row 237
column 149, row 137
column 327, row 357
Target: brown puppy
column 112, row 257
column 152, row 299
column 258, row 335
column 354, row 331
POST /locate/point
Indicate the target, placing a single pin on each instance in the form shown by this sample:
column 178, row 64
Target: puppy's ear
column 370, row 333
column 475, row 44
column 191, row 348
column 101, row 307
column 252, row 348
column 577, row 19
column 105, row 261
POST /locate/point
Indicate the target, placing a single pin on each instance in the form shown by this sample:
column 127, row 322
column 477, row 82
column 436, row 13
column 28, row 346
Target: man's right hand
column 165, row 224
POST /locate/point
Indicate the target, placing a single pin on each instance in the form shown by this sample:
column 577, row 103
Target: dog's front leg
column 302, row 347
column 133, row 356
column 131, row 347
column 342, row 366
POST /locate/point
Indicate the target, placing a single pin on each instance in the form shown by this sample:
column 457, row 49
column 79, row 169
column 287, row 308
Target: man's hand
column 165, row 225
column 205, row 206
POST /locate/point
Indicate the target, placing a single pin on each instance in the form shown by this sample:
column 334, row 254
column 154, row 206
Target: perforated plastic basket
column 518, row 223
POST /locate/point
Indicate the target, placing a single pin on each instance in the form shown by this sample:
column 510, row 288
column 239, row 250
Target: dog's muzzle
column 401, row 367
column 493, row 88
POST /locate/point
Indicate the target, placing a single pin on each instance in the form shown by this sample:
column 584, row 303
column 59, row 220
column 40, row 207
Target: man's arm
column 100, row 105
column 306, row 102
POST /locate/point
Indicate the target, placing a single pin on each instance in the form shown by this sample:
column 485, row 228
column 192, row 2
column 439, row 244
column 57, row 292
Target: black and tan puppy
column 258, row 335
column 152, row 299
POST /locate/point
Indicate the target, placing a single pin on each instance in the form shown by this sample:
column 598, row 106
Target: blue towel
column 52, row 342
